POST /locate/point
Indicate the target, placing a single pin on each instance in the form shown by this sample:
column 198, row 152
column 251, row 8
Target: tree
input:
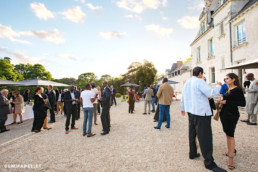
column 7, row 71
column 117, row 82
column 105, row 77
column 33, row 71
column 132, row 69
column 69, row 81
column 146, row 74
column 86, row 78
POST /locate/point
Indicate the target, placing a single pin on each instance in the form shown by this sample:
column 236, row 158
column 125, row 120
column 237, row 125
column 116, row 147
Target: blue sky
column 101, row 36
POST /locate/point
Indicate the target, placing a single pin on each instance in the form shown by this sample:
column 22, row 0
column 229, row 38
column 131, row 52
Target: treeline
column 142, row 74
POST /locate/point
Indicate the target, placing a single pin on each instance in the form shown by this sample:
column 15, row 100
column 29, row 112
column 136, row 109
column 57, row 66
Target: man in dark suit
column 105, row 102
column 4, row 110
column 113, row 95
column 70, row 101
column 52, row 101
column 78, row 95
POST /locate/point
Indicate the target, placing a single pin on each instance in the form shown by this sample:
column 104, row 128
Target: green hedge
column 118, row 95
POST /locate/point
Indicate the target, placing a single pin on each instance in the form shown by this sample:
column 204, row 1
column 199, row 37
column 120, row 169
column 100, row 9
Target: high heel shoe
column 231, row 167
column 226, row 154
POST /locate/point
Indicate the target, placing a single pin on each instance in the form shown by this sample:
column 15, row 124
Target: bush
column 118, row 95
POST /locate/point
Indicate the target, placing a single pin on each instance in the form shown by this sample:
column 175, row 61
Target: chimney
column 179, row 63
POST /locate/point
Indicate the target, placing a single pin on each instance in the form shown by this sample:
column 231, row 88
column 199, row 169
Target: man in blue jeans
column 87, row 99
column 165, row 95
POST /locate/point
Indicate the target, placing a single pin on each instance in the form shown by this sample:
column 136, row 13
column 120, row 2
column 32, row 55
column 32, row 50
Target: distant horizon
column 79, row 36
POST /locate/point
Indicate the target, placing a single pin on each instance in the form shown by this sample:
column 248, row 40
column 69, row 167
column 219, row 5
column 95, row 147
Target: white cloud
column 196, row 5
column 189, row 22
column 109, row 35
column 9, row 33
column 19, row 57
column 161, row 31
column 49, row 35
column 164, row 18
column 66, row 56
column 133, row 16
column 41, row 11
column 138, row 6
column 97, row 9
column 74, row 14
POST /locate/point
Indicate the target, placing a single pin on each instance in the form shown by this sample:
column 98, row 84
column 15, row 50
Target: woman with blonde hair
column 18, row 106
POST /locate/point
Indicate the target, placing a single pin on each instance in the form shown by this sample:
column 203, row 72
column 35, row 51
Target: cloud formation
column 97, row 9
column 74, row 14
column 109, row 35
column 49, row 35
column 20, row 57
column 138, row 6
column 161, row 31
column 189, row 22
column 133, row 16
column 41, row 11
column 66, row 56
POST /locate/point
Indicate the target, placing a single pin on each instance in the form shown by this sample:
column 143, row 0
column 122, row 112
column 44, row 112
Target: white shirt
column 73, row 97
column 195, row 97
column 95, row 91
column 86, row 96
column 59, row 97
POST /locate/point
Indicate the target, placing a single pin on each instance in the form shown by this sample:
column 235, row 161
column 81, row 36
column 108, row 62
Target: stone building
column 227, row 37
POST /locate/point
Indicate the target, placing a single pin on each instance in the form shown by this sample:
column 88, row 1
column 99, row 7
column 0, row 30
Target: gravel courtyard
column 132, row 145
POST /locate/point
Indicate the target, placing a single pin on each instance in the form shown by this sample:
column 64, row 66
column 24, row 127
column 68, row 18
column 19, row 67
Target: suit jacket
column 52, row 98
column 105, row 97
column 252, row 98
column 68, row 101
column 114, row 92
column 149, row 93
column 77, row 95
column 5, row 107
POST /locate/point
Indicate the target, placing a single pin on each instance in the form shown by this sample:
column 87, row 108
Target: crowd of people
column 197, row 101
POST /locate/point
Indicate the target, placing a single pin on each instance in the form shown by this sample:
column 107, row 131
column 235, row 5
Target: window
column 212, row 75
column 222, row 28
column 240, row 34
column 203, row 27
column 198, row 54
column 210, row 42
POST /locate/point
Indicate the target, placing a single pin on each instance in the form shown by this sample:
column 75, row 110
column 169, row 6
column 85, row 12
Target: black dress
column 39, row 113
column 156, row 116
column 229, row 114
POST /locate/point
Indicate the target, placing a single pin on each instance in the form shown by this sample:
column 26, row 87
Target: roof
column 173, row 68
column 247, row 5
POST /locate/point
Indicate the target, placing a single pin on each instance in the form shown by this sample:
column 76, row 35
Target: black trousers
column 113, row 99
column 68, row 117
column 38, row 122
column 3, row 118
column 105, row 118
column 200, row 126
column 78, row 110
column 52, row 114
column 131, row 106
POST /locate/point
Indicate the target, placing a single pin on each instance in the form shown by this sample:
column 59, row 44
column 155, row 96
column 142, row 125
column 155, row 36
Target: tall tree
column 86, row 78
column 7, row 71
column 36, row 71
column 132, row 69
column 69, row 81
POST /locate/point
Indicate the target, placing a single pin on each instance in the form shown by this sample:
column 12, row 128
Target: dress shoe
column 167, row 126
column 48, row 128
column 244, row 120
column 155, row 121
column 149, row 113
column 196, row 156
column 74, row 128
column 90, row 135
column 95, row 123
column 104, row 133
column 249, row 123
column 36, row 131
column 51, row 121
column 156, row 127
column 84, row 134
column 2, row 131
column 66, row 132
column 217, row 169
column 144, row 113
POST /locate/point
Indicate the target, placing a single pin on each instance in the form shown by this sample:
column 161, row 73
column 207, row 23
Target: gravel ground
column 132, row 145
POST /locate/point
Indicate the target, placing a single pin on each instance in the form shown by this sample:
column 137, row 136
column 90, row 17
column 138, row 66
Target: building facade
column 228, row 36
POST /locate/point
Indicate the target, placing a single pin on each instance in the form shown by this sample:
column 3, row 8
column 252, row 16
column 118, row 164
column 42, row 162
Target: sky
column 72, row 37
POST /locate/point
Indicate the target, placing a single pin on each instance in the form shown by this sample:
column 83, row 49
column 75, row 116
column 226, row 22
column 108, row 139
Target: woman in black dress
column 39, row 110
column 229, row 114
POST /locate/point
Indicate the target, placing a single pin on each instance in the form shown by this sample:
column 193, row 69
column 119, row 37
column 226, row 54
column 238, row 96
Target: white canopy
column 41, row 82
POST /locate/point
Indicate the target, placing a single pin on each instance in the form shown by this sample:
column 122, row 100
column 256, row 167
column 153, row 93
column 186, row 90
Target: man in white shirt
column 195, row 102
column 87, row 99
column 95, row 104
